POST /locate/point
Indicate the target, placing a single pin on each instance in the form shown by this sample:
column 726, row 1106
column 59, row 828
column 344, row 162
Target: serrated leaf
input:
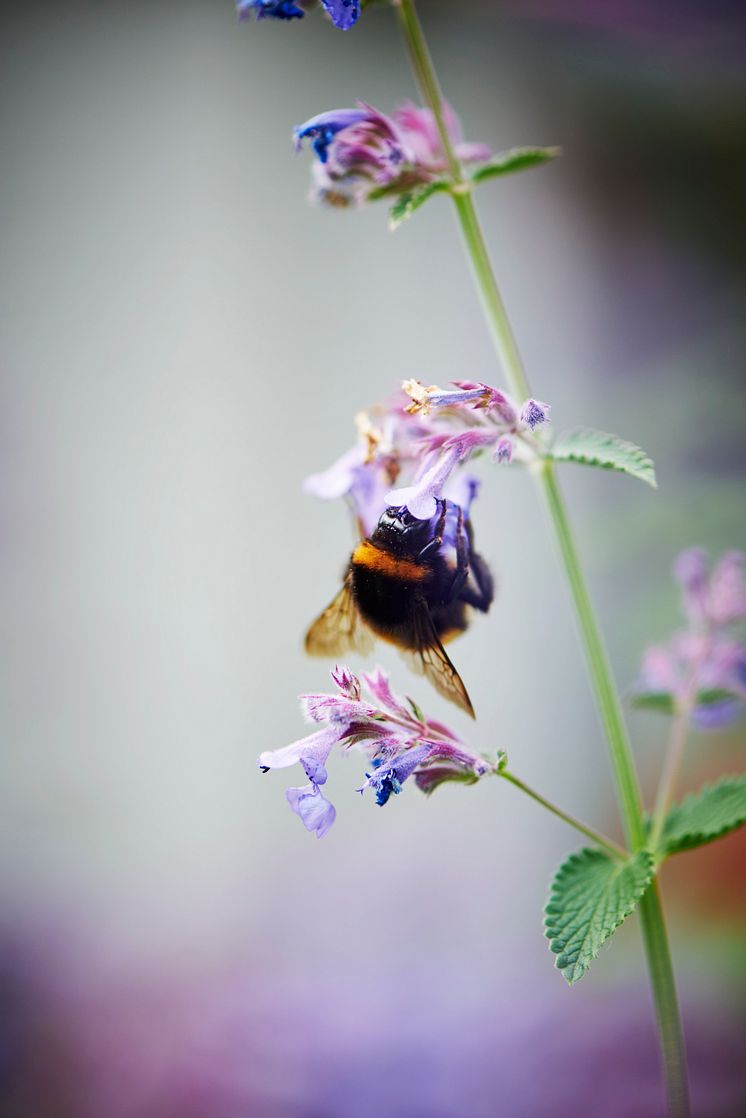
column 599, row 448
column 406, row 204
column 591, row 896
column 665, row 702
column 714, row 811
column 516, row 159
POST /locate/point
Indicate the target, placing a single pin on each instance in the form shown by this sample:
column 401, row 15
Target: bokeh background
column 184, row 339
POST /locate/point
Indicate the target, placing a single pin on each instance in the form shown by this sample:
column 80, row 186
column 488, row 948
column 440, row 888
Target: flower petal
column 379, row 686
column 344, row 13
column 312, row 752
column 315, row 811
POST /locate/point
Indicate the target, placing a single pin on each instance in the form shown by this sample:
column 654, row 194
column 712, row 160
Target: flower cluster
column 702, row 669
column 344, row 14
column 362, row 154
column 392, row 733
column 418, row 440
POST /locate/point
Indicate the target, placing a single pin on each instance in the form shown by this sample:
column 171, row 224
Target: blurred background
column 184, row 339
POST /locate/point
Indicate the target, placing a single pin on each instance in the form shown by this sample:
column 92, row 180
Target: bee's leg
column 461, row 573
column 480, row 594
column 437, row 539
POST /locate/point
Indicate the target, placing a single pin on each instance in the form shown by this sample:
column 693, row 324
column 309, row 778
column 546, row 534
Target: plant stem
column 427, row 79
column 607, row 698
column 677, row 740
column 667, row 1012
column 598, row 664
column 489, row 293
column 595, row 836
column 671, row 767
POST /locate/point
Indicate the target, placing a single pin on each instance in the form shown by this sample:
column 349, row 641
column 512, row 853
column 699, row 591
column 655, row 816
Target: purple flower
column 495, row 407
column 411, row 450
column 365, row 154
column 691, row 571
column 503, row 450
column 311, row 752
column 711, row 598
column 347, row 683
column 388, row 776
column 313, row 808
column 727, row 596
column 396, row 738
column 322, row 129
column 269, row 9
column 421, row 498
column 421, row 133
column 534, row 412
column 492, row 400
column 388, row 447
column 344, row 13
column 358, row 150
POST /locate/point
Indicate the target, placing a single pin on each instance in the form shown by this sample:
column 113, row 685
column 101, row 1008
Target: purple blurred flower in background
column 94, row 1034
column 702, row 670
column 711, row 598
column 364, row 154
column 392, row 733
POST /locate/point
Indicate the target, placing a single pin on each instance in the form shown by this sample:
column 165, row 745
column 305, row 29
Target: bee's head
column 401, row 531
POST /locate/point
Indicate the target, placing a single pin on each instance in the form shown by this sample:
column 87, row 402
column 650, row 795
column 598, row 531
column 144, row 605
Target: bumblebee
column 410, row 583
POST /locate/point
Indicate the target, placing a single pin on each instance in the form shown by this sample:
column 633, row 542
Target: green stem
column 677, row 741
column 667, row 1012
column 607, row 698
column 426, row 78
column 671, row 767
column 595, row 836
column 490, row 297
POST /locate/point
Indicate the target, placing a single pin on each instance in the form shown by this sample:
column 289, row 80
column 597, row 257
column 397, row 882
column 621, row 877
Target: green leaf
column 416, row 710
column 411, row 200
column 434, row 776
column 517, row 159
column 665, row 702
column 714, row 695
column 714, row 811
column 662, row 701
column 590, row 897
column 598, row 448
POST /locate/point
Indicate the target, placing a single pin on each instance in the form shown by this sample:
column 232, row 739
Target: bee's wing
column 339, row 628
column 431, row 660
